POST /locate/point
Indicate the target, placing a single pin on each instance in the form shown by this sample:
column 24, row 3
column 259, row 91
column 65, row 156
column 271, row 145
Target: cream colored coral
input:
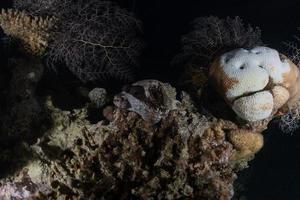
column 255, row 107
column 246, row 143
column 256, row 82
column 281, row 96
column 32, row 32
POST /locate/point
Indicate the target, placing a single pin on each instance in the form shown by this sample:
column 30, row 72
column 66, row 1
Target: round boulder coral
column 255, row 82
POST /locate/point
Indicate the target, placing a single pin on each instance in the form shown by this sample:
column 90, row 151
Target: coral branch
column 32, row 32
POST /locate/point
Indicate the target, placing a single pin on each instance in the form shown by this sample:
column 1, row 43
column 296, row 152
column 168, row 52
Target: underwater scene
column 146, row 100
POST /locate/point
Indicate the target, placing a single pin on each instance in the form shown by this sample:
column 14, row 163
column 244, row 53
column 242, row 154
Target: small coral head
column 246, row 79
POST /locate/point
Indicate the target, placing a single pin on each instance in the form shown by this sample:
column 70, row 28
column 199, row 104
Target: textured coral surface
column 184, row 155
column 153, row 141
column 32, row 32
column 255, row 82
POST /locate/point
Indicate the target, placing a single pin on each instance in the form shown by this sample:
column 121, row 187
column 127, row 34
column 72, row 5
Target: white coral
column 252, row 69
column 255, row 107
column 255, row 82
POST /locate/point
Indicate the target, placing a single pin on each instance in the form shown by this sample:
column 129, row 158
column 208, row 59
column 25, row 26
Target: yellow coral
column 32, row 32
column 246, row 143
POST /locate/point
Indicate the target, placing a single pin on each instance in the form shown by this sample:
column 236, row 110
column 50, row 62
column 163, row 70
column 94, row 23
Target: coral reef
column 149, row 98
column 33, row 33
column 153, row 141
column 182, row 155
column 276, row 81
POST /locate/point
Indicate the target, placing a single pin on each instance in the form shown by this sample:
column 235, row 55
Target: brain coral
column 255, row 82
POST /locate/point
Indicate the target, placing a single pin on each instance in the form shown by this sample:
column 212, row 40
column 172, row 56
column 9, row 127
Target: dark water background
column 275, row 172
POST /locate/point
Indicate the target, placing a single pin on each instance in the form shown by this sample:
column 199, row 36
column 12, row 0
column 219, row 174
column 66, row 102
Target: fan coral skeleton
column 96, row 40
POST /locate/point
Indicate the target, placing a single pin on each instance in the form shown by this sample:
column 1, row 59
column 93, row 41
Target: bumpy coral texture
column 33, row 33
column 149, row 98
column 255, row 82
column 185, row 156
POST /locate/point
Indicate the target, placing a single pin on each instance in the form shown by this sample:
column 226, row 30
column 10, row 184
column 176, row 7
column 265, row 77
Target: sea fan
column 293, row 50
column 38, row 7
column 96, row 40
column 211, row 36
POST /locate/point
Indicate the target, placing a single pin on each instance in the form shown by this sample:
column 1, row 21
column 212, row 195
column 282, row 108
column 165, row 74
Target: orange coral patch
column 220, row 79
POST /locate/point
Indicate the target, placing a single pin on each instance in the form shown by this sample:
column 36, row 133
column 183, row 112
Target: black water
column 275, row 172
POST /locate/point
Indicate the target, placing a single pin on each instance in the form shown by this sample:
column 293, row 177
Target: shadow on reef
column 23, row 118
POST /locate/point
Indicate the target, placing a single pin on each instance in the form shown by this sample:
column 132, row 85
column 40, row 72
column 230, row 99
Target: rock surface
column 182, row 155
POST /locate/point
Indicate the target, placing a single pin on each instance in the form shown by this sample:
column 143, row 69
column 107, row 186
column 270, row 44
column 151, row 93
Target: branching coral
column 32, row 32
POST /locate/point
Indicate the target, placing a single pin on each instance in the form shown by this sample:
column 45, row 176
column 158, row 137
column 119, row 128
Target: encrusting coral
column 33, row 33
column 182, row 155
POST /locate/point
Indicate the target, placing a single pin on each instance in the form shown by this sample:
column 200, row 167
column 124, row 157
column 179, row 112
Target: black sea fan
column 292, row 49
column 212, row 35
column 96, row 40
column 38, row 7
